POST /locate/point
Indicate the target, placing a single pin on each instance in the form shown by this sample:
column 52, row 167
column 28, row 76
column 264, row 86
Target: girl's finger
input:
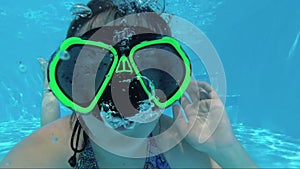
column 209, row 90
column 184, row 101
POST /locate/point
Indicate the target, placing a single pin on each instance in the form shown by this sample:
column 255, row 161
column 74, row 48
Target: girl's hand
column 208, row 124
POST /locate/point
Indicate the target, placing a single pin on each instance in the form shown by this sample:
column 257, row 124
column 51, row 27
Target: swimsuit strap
column 77, row 129
column 154, row 160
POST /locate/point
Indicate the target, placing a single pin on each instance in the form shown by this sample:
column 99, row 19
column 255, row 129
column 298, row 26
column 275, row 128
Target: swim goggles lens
column 82, row 69
column 72, row 75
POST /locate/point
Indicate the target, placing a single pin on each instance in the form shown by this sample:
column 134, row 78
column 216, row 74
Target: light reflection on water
column 268, row 149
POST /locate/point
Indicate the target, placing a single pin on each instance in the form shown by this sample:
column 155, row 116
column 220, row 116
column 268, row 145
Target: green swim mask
column 83, row 68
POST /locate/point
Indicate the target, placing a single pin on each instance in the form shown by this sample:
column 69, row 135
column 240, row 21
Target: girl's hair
column 106, row 11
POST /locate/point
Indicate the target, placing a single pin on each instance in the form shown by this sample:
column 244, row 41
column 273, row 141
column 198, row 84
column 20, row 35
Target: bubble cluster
column 146, row 113
column 81, row 10
column 64, row 55
column 129, row 6
column 114, row 119
column 126, row 33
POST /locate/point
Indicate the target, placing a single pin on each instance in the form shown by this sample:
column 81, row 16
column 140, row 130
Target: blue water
column 257, row 41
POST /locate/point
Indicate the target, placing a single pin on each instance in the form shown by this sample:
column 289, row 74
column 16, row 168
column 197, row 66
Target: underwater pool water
column 268, row 149
column 257, row 40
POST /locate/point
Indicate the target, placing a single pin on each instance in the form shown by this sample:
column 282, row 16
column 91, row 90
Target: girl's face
column 118, row 92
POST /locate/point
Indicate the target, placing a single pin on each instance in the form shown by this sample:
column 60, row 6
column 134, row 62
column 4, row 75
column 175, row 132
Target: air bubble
column 22, row 67
column 124, row 42
column 64, row 55
column 7, row 163
column 55, row 139
column 105, row 107
column 81, row 10
column 129, row 125
column 116, row 120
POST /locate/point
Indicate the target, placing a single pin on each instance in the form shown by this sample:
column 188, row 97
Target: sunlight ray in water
column 293, row 48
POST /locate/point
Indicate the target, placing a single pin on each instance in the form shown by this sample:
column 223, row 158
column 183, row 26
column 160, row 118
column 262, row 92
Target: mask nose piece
column 124, row 66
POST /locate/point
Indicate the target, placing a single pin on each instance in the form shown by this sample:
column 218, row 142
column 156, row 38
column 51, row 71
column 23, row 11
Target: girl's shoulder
column 48, row 147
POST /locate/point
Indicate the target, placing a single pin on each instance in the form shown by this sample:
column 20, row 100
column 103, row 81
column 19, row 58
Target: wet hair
column 157, row 23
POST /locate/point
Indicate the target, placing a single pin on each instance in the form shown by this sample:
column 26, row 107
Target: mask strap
column 77, row 128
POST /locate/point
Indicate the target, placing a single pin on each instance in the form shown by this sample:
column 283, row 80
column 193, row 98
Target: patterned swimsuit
column 87, row 158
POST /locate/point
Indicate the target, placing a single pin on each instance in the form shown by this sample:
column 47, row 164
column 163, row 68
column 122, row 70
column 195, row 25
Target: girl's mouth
column 148, row 112
column 116, row 121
